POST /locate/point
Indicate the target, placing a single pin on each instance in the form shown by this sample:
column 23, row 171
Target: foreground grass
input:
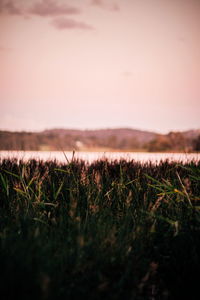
column 112, row 230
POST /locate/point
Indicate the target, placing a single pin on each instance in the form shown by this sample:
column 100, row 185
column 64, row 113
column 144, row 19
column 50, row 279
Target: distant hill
column 124, row 139
column 119, row 133
column 191, row 134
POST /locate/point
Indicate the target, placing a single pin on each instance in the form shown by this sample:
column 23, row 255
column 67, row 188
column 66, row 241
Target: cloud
column 97, row 2
column 43, row 8
column 46, row 8
column 10, row 8
column 65, row 23
column 105, row 5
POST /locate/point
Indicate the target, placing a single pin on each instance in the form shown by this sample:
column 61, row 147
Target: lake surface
column 92, row 156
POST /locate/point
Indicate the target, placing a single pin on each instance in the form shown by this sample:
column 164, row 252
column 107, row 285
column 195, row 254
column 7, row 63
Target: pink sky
column 98, row 64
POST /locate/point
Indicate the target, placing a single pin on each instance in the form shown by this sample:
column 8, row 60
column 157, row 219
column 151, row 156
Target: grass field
column 105, row 230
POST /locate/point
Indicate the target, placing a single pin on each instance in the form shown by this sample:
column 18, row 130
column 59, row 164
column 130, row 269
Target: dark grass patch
column 112, row 230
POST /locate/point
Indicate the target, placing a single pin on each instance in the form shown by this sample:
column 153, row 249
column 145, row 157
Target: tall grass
column 112, row 230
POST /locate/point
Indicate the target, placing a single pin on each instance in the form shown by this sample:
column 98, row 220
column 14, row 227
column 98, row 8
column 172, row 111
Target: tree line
column 173, row 141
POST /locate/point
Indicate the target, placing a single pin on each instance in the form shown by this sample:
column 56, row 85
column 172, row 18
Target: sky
column 91, row 64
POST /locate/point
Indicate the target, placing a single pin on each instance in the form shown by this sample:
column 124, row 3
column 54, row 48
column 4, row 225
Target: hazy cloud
column 65, row 23
column 106, row 5
column 44, row 8
column 97, row 2
column 47, row 8
column 8, row 6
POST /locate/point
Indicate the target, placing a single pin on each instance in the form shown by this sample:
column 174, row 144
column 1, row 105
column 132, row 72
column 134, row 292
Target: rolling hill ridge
column 119, row 139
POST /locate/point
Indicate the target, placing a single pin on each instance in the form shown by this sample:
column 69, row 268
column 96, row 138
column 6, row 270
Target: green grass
column 111, row 230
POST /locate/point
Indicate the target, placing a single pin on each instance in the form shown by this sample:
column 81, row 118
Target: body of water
column 92, row 156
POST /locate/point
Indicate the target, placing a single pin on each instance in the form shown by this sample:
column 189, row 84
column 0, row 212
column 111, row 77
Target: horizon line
column 96, row 129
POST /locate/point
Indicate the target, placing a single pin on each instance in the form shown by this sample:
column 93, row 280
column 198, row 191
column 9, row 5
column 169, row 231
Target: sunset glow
column 99, row 64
